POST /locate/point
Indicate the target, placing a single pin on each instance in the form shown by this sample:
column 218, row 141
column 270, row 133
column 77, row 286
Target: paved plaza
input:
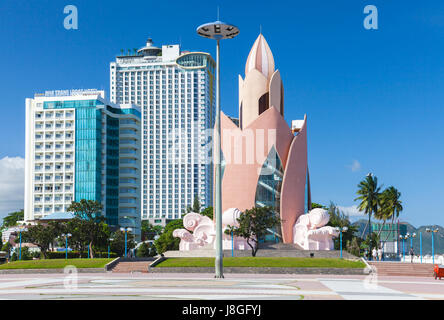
column 205, row 287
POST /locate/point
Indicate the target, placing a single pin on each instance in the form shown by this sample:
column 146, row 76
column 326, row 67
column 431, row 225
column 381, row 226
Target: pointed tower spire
column 260, row 58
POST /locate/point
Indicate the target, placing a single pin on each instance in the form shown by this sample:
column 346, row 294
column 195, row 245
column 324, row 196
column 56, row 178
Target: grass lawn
column 263, row 262
column 56, row 263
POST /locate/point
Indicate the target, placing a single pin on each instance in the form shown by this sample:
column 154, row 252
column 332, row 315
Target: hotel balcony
column 127, row 204
column 129, row 165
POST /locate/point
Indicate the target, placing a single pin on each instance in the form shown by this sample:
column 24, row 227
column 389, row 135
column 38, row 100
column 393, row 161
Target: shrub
column 146, row 250
column 6, row 247
column 143, row 251
column 167, row 242
column 26, row 254
column 76, row 254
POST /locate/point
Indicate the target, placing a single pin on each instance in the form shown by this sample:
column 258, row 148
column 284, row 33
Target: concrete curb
column 155, row 263
column 368, row 269
column 49, row 271
column 260, row 270
column 112, row 264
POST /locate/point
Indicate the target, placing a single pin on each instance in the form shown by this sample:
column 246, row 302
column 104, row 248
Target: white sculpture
column 310, row 232
column 229, row 218
column 200, row 232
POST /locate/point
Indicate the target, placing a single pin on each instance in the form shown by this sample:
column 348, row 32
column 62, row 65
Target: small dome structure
column 149, row 49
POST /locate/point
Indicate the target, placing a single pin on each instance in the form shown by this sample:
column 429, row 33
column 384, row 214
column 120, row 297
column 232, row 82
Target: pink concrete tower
column 264, row 160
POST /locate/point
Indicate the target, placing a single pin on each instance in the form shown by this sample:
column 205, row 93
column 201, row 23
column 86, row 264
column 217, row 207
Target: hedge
column 76, row 255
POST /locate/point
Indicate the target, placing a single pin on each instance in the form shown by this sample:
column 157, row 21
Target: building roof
column 260, row 58
column 59, row 216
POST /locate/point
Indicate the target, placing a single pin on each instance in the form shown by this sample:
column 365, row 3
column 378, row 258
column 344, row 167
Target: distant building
column 80, row 146
column 175, row 91
column 389, row 237
column 9, row 233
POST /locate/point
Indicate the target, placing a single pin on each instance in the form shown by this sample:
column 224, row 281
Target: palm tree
column 391, row 205
column 384, row 210
column 369, row 192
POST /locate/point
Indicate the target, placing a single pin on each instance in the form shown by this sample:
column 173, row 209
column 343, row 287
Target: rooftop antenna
column 217, row 13
column 260, row 29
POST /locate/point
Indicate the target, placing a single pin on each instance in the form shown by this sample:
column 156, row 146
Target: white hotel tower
column 80, row 146
column 175, row 91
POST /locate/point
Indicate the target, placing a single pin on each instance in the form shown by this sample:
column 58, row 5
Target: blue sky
column 373, row 97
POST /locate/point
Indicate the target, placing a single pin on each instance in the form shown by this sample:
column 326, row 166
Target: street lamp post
column 218, row 30
column 109, row 246
column 66, row 243
column 411, row 239
column 232, row 244
column 433, row 244
column 403, row 247
column 411, row 236
column 341, row 230
column 126, row 230
column 420, row 245
column 20, row 248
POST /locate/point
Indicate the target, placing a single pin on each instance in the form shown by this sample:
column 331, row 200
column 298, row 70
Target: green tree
column 7, row 247
column 91, row 220
column 26, row 254
column 391, row 207
column 353, row 246
column 195, row 207
column 11, row 219
column 149, row 231
column 339, row 220
column 173, row 225
column 196, row 204
column 208, row 212
column 79, row 237
column 117, row 245
column 41, row 235
column 368, row 193
column 166, row 241
column 315, row 205
column 145, row 250
column 253, row 225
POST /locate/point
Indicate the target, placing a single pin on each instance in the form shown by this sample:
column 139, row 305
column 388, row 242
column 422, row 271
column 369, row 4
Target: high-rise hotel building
column 80, row 146
column 175, row 91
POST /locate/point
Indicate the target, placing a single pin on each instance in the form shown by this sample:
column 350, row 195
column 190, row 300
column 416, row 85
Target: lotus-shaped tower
column 264, row 161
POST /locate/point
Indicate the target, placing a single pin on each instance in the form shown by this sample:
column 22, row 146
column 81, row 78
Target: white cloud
column 351, row 211
column 355, row 166
column 12, row 184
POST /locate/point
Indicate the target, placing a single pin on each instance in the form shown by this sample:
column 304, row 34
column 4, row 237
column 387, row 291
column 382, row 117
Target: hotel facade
column 81, row 146
column 175, row 92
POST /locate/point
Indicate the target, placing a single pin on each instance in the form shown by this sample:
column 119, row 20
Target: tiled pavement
column 204, row 286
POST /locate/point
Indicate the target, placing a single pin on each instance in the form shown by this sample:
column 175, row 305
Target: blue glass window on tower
column 112, row 170
column 268, row 190
column 88, row 151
